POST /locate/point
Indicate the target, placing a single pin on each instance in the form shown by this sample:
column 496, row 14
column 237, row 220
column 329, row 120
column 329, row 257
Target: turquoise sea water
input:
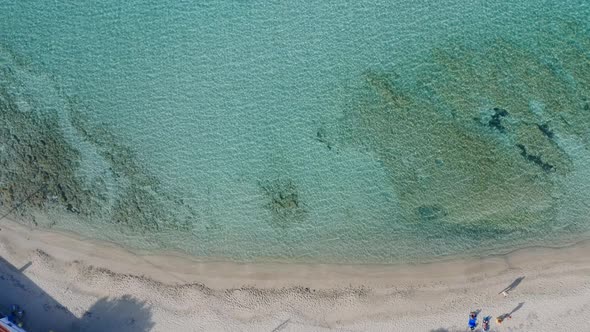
column 349, row 131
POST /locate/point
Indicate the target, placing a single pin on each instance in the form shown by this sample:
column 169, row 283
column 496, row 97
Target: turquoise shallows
column 332, row 131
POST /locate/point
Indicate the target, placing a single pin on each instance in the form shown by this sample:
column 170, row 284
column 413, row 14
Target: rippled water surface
column 334, row 131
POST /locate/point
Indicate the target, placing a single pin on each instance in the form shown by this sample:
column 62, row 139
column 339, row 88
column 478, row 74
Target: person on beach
column 500, row 319
column 486, row 323
column 473, row 320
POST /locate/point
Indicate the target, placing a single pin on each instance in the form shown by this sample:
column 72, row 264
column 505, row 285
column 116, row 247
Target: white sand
column 75, row 284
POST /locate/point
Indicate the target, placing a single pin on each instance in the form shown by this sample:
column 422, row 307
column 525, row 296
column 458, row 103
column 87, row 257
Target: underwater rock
column 544, row 128
column 534, row 158
column 284, row 202
column 36, row 159
column 38, row 154
column 496, row 120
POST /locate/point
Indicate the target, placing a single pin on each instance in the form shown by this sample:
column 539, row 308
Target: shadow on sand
column 121, row 314
column 509, row 314
column 281, row 326
column 513, row 285
column 44, row 313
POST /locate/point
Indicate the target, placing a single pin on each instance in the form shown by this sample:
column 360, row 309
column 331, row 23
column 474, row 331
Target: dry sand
column 68, row 283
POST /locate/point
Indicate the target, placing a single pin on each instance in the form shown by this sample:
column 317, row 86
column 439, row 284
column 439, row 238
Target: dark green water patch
column 428, row 213
column 544, row 128
column 35, row 155
column 143, row 203
column 537, row 160
column 469, row 141
column 283, row 202
column 496, row 120
column 82, row 167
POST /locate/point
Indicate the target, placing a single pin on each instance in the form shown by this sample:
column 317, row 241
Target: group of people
column 486, row 325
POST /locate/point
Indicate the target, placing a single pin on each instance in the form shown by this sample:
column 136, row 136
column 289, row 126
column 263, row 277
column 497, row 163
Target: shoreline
column 341, row 296
column 100, row 253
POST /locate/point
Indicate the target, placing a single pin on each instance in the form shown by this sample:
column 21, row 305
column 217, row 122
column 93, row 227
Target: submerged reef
column 49, row 149
column 143, row 203
column 476, row 136
column 283, row 202
column 35, row 159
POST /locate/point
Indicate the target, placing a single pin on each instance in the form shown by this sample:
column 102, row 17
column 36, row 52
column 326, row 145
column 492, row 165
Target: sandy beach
column 421, row 144
column 68, row 283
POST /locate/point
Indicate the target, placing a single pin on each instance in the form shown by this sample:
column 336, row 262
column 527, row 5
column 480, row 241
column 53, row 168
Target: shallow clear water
column 338, row 131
